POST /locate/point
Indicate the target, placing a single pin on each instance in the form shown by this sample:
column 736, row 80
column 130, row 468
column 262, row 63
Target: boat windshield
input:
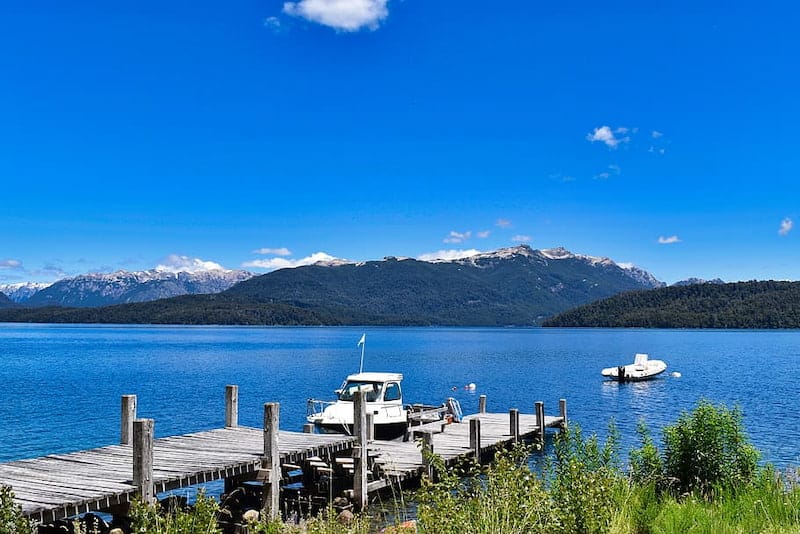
column 371, row 389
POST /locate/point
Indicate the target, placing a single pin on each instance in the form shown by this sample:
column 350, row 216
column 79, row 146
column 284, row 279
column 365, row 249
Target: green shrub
column 586, row 482
column 708, row 448
column 647, row 466
column 200, row 519
column 503, row 497
column 11, row 519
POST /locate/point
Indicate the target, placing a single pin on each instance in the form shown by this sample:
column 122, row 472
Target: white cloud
column 612, row 170
column 656, row 134
column 457, row 237
column 283, row 263
column 10, row 264
column 484, row 234
column 184, row 264
column 605, row 134
column 519, row 238
column 668, row 240
column 503, row 223
column 448, row 255
column 282, row 251
column 272, row 23
column 342, row 15
column 786, row 226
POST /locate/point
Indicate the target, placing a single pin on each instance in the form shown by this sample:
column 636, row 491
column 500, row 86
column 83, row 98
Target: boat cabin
column 384, row 398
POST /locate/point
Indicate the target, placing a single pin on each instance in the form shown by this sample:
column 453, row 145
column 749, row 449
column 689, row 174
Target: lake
column 62, row 383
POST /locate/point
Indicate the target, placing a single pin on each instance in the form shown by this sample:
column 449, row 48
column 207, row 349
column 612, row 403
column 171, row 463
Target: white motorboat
column 384, row 399
column 642, row 368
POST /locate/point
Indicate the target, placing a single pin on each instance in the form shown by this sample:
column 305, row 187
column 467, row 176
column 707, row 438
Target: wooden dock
column 62, row 485
column 108, row 478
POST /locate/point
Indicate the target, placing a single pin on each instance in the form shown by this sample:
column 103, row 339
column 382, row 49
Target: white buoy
column 675, row 374
column 471, row 386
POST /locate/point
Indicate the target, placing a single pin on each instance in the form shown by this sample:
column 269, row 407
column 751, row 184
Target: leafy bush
column 200, row 519
column 647, row 466
column 11, row 519
column 709, row 448
column 587, row 480
column 504, row 496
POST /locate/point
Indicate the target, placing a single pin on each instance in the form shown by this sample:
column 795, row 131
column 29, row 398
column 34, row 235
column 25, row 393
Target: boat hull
column 635, row 373
column 388, row 431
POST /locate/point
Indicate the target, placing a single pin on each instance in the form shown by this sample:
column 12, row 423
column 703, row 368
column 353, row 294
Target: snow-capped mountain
column 642, row 277
column 21, row 292
column 102, row 289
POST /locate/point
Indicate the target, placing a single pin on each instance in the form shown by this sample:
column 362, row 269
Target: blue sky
column 255, row 134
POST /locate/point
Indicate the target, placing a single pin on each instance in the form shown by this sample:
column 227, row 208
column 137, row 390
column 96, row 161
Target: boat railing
column 317, row 406
column 419, row 414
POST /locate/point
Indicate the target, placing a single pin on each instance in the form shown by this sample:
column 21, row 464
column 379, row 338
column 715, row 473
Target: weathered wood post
column 482, row 404
column 562, row 410
column 272, row 459
column 370, row 426
column 143, row 437
column 540, row 419
column 427, row 450
column 231, row 406
column 475, row 438
column 513, row 426
column 127, row 418
column 360, row 456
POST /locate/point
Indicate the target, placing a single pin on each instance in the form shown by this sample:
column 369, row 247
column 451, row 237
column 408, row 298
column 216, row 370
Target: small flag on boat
column 362, row 340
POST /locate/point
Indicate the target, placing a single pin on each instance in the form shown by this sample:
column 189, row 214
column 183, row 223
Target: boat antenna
column 362, row 343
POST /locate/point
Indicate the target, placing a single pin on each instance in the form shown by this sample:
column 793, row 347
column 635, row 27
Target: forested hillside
column 753, row 304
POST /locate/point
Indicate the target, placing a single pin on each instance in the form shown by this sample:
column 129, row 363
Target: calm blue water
column 61, row 385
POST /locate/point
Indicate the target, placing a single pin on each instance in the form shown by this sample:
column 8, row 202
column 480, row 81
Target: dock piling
column 231, row 406
column 513, row 416
column 540, row 423
column 360, row 456
column 427, row 452
column 126, row 419
column 271, row 459
column 370, row 426
column 562, row 410
column 475, row 438
column 143, row 438
column 482, row 404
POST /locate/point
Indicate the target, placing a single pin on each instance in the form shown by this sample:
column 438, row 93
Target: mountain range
column 21, row 292
column 512, row 286
column 99, row 289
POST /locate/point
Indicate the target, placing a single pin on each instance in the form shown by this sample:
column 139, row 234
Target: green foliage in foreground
column 11, row 519
column 708, row 449
column 201, row 519
column 705, row 480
